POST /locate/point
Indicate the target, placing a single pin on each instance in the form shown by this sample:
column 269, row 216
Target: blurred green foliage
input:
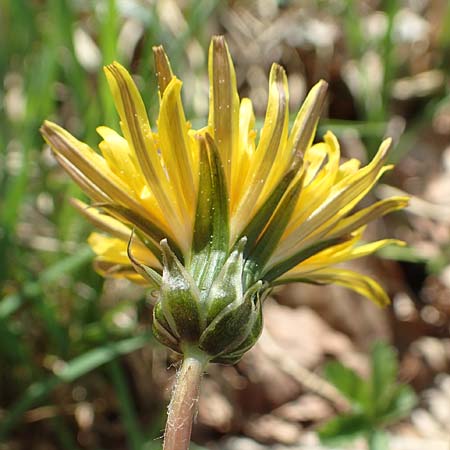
column 375, row 402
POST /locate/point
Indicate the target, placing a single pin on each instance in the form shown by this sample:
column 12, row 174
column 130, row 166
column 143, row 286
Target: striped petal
column 175, row 145
column 223, row 118
column 241, row 162
column 93, row 167
column 102, row 221
column 164, row 72
column 343, row 197
column 362, row 284
column 137, row 131
column 340, row 253
column 368, row 214
column 272, row 140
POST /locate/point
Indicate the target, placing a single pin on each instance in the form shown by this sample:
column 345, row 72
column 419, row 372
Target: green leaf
column 9, row 305
column 349, row 383
column 343, row 429
column 408, row 254
column 211, row 230
column 66, row 265
column 402, row 401
column 384, row 375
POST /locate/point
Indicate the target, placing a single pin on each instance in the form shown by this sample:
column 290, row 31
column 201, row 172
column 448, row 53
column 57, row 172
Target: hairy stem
column 183, row 404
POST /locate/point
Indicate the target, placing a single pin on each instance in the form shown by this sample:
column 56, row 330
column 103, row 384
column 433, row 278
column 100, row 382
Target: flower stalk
column 183, row 404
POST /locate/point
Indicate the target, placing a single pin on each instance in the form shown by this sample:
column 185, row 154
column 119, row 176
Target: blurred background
column 78, row 366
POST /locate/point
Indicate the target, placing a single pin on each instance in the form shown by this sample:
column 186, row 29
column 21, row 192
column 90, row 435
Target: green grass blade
column 74, row 369
column 127, row 409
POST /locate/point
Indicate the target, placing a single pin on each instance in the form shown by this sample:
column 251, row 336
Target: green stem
column 183, row 404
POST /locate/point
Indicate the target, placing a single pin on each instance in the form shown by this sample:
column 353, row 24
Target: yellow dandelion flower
column 213, row 218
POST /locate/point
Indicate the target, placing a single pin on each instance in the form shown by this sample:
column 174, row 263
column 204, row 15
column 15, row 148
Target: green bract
column 222, row 319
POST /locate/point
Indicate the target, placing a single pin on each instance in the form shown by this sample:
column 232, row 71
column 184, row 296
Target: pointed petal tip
column 384, row 148
column 321, row 88
column 321, row 84
column 115, row 65
column 387, row 142
column 47, row 127
column 219, row 46
column 158, row 49
column 166, row 252
column 218, row 41
column 164, row 72
column 51, row 131
column 108, row 67
column 278, row 73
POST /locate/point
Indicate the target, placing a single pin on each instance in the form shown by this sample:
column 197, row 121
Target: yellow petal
column 315, row 156
column 272, row 140
column 114, row 250
column 339, row 254
column 108, row 248
column 304, row 128
column 241, row 162
column 121, row 161
column 176, row 150
column 108, row 269
column 331, row 208
column 91, row 189
column 223, row 118
column 319, row 188
column 102, row 221
column 89, row 163
column 163, row 70
column 116, row 229
column 137, row 131
column 348, row 168
column 271, row 158
column 361, row 284
column 366, row 215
